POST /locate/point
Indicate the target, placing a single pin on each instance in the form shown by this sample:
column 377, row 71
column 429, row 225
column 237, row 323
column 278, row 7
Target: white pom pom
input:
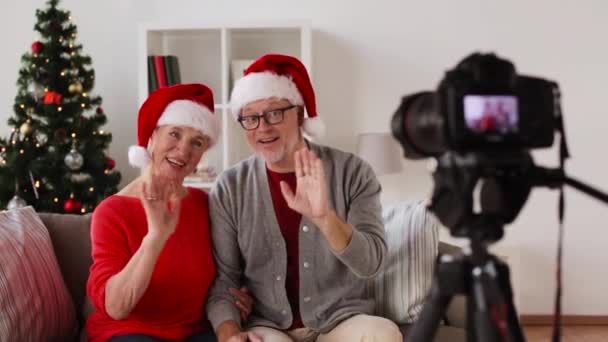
column 314, row 127
column 139, row 156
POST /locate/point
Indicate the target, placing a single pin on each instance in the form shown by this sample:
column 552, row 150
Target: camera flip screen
column 491, row 114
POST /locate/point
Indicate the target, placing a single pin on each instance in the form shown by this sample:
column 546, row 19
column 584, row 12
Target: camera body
column 480, row 105
column 486, row 105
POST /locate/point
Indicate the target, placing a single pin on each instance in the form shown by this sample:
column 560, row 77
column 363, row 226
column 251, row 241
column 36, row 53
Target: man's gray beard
column 273, row 157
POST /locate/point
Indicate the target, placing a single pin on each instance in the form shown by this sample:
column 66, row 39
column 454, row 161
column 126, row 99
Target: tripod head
column 477, row 193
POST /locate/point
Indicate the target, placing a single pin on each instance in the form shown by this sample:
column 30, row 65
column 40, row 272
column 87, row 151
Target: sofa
column 72, row 246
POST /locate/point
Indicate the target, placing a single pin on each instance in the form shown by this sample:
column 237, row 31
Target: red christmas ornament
column 110, row 164
column 60, row 134
column 51, row 97
column 55, row 25
column 72, row 206
column 37, row 47
column 99, row 110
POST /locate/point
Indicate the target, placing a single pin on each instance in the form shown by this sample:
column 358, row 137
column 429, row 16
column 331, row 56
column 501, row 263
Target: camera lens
column 418, row 126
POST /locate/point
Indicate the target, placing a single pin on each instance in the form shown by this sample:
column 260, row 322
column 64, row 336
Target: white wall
column 366, row 56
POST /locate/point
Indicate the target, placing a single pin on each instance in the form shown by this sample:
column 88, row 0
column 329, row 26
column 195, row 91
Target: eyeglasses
column 271, row 117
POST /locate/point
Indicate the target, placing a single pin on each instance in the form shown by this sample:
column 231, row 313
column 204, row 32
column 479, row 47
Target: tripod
column 481, row 277
column 485, row 281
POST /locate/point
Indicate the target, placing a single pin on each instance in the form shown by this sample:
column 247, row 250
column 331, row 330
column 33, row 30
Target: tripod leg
column 426, row 326
column 493, row 311
column 504, row 279
column 485, row 309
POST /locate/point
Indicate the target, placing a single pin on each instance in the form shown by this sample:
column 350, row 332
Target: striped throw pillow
column 412, row 237
column 34, row 301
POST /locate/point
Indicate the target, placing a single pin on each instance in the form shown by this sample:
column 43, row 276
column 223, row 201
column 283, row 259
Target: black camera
column 479, row 125
column 480, row 105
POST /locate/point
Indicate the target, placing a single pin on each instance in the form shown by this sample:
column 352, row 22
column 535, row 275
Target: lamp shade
column 381, row 151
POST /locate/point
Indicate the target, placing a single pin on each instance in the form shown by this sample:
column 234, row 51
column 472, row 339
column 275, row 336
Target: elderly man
column 299, row 224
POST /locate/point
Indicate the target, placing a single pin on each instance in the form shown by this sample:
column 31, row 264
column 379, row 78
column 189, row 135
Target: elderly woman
column 152, row 260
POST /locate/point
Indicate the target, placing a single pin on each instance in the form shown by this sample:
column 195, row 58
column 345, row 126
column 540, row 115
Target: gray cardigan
column 249, row 249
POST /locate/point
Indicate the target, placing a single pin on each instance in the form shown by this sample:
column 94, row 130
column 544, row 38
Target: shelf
column 198, row 53
column 214, row 157
column 240, row 149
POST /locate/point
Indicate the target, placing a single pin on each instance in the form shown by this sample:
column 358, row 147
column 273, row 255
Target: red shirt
column 172, row 308
column 289, row 222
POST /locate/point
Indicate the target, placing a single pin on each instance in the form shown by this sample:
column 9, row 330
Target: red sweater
column 289, row 222
column 172, row 308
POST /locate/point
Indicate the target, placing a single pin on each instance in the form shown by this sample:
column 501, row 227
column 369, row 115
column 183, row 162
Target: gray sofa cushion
column 72, row 245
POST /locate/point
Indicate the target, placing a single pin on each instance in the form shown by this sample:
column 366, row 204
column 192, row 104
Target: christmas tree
column 54, row 159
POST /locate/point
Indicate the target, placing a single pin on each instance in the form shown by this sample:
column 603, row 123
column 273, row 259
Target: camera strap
column 564, row 154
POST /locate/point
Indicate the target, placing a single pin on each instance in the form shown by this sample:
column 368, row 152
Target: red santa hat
column 279, row 76
column 188, row 105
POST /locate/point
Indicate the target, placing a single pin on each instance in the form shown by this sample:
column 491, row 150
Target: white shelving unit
column 206, row 52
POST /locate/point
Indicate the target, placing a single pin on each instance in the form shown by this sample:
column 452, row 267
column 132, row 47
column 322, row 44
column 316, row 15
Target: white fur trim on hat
column 139, row 156
column 263, row 85
column 191, row 114
column 314, row 127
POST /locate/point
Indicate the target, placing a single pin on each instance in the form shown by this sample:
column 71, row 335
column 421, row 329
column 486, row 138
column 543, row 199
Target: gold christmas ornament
column 75, row 87
column 26, row 128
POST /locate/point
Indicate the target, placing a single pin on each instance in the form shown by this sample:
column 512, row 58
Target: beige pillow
column 412, row 238
column 34, row 301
